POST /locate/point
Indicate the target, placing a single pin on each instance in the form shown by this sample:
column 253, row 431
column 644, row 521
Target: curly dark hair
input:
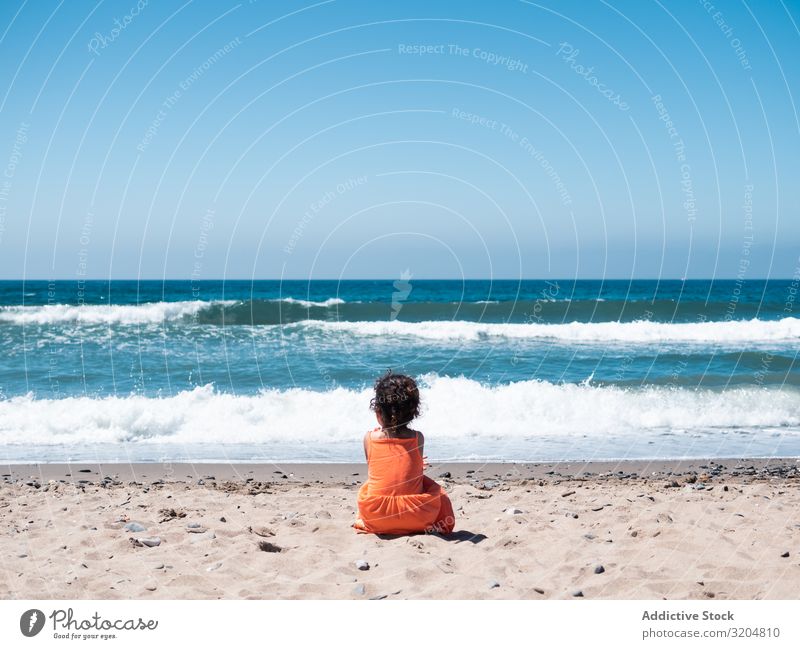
column 396, row 399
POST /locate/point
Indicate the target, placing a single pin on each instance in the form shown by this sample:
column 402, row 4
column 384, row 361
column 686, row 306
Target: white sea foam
column 641, row 331
column 331, row 301
column 144, row 313
column 453, row 409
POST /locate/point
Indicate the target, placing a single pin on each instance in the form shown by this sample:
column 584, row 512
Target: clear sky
column 359, row 139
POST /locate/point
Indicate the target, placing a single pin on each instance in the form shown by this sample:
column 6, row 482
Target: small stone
column 446, row 474
column 361, row 589
column 599, row 569
column 148, row 541
column 193, row 526
column 785, row 555
column 133, row 526
column 362, row 565
column 590, row 536
column 577, row 593
column 215, row 566
column 151, row 587
column 158, row 566
column 204, row 536
column 266, row 546
column 222, row 519
column 494, row 584
column 634, row 534
column 512, row 511
column 567, row 494
column 539, row 590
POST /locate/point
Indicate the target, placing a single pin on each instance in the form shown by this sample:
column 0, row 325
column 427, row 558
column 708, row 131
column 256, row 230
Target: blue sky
column 359, row 139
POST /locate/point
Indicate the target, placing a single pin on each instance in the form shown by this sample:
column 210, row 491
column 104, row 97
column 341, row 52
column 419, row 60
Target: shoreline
column 332, row 473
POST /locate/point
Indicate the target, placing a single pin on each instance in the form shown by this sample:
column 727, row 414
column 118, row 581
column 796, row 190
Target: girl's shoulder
column 379, row 433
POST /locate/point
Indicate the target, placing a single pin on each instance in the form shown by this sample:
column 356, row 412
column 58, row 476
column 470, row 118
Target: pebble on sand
column 266, row 546
column 511, row 511
column 361, row 564
column 133, row 526
column 785, row 555
column 147, row 541
column 577, row 593
column 361, row 589
column 599, row 569
column 494, row 584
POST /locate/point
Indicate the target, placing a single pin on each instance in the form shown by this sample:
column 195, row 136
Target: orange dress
column 397, row 498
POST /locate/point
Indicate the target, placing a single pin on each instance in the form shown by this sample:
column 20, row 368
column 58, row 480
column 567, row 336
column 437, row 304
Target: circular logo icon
column 31, row 622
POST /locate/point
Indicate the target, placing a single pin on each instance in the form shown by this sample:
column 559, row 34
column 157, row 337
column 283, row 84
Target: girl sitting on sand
column 397, row 498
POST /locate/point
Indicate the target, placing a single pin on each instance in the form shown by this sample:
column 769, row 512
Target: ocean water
column 509, row 370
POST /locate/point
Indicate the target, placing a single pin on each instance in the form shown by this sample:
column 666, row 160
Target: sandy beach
column 623, row 530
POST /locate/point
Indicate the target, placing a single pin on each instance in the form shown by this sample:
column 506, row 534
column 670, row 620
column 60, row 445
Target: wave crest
column 640, row 331
column 145, row 313
column 453, row 409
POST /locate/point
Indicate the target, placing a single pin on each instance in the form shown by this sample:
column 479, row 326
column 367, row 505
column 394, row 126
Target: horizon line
column 392, row 279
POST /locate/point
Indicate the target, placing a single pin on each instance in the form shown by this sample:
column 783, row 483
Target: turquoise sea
column 510, row 370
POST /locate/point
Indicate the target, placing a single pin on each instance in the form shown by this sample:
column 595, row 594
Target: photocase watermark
column 569, row 54
column 744, row 259
column 20, row 138
column 31, row 622
column 316, row 207
column 627, row 361
column 760, row 375
column 66, row 626
column 547, row 294
column 687, row 186
column 101, row 41
column 727, row 31
column 792, row 291
column 83, row 256
column 523, row 142
column 169, row 103
column 451, row 49
column 53, row 348
column 402, row 289
column 206, row 225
